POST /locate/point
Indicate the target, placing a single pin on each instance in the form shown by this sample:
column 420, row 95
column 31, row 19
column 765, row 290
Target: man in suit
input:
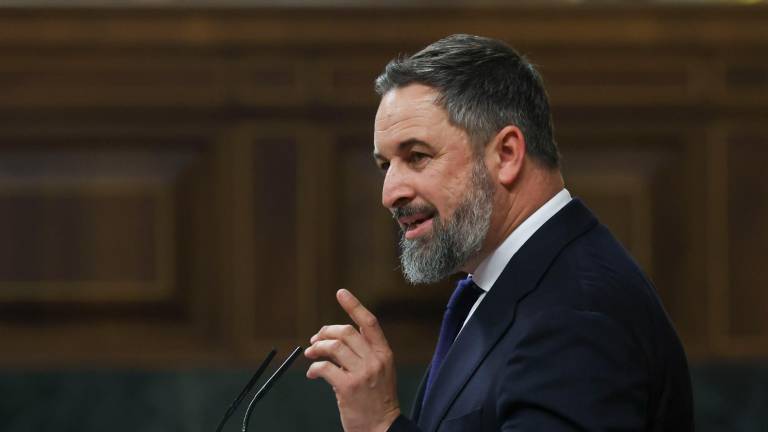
column 556, row 329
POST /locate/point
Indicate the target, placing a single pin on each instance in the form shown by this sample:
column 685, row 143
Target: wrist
column 388, row 420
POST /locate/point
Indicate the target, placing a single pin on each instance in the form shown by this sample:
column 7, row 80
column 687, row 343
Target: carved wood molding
column 311, row 29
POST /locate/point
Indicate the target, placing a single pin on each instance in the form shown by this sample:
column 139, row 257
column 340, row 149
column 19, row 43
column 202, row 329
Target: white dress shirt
column 491, row 267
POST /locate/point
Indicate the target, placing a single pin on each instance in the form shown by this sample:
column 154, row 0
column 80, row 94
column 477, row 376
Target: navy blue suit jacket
column 572, row 336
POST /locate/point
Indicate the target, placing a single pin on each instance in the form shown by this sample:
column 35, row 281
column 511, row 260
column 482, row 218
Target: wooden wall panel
column 367, row 248
column 273, row 81
column 76, row 237
column 275, row 284
column 204, row 177
column 747, row 241
column 89, row 225
column 78, row 79
column 95, row 247
column 745, row 80
column 627, row 79
column 281, row 223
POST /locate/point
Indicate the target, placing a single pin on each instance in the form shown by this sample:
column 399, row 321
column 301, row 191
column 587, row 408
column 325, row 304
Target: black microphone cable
column 268, row 384
column 262, row 391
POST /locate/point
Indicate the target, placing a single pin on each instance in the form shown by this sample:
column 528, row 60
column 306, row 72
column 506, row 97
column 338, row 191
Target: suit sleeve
column 403, row 424
column 574, row 370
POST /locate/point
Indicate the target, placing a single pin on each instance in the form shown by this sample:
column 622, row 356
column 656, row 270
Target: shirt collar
column 491, row 267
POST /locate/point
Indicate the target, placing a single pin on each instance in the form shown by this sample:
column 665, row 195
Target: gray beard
column 451, row 244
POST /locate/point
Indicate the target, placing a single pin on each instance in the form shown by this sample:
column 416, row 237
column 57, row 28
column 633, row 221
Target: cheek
column 451, row 191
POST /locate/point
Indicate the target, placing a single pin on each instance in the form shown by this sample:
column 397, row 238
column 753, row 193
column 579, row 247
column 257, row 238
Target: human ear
column 509, row 146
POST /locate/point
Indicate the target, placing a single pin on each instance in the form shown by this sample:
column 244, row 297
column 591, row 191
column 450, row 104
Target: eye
column 383, row 166
column 417, row 158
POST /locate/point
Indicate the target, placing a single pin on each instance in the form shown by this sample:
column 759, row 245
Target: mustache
column 411, row 210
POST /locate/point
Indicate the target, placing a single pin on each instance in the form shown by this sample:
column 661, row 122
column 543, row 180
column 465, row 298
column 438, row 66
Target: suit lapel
column 497, row 311
column 417, row 403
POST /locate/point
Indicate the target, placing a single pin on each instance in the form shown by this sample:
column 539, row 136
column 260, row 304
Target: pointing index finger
column 369, row 325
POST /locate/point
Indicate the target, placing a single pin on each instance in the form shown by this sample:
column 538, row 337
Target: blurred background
column 185, row 184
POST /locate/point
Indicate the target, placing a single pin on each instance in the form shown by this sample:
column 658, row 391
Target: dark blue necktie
column 464, row 296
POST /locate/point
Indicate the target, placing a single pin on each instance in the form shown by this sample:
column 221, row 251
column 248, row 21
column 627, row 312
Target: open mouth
column 417, row 224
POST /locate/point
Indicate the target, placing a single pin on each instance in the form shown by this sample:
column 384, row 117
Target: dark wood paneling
column 99, row 247
column 276, row 216
column 76, row 236
column 204, row 177
column 748, row 237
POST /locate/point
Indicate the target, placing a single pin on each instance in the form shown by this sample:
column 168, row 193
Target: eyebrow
column 410, row 142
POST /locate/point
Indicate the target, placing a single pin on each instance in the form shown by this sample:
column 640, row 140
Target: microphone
column 267, row 385
column 262, row 391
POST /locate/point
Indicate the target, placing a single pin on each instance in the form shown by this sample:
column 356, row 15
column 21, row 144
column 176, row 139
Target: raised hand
column 359, row 366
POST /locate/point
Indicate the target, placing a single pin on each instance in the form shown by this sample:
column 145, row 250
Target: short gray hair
column 484, row 85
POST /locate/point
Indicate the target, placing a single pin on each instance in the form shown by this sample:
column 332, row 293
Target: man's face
column 435, row 186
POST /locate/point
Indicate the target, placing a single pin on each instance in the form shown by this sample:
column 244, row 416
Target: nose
column 397, row 190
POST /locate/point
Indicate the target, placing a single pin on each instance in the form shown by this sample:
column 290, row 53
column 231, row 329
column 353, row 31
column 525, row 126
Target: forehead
column 408, row 113
column 400, row 103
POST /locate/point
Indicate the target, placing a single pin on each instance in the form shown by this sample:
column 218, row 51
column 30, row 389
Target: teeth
column 414, row 223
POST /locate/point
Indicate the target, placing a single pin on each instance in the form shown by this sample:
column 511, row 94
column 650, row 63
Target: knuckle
column 344, row 388
column 371, row 320
column 314, row 370
column 320, row 348
column 376, row 366
column 348, row 330
column 353, row 385
column 327, row 367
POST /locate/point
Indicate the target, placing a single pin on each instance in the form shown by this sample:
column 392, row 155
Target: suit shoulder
column 595, row 272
